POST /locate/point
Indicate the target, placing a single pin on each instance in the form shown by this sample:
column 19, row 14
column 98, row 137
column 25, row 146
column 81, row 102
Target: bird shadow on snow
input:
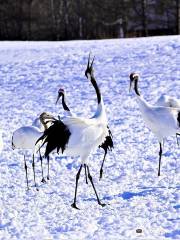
column 2, row 226
column 126, row 195
column 174, row 234
column 129, row 195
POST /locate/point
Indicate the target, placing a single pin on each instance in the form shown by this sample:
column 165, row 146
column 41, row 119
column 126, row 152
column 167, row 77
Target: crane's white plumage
column 162, row 121
column 106, row 144
column 86, row 134
column 77, row 136
column 167, row 101
column 25, row 137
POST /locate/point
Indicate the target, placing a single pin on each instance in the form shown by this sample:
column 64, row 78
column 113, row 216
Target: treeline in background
column 87, row 19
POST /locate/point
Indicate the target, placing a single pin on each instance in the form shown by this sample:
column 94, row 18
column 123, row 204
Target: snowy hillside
column 30, row 75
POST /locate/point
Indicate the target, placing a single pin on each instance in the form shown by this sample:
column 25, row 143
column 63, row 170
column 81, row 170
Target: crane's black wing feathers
column 178, row 118
column 108, row 143
column 56, row 137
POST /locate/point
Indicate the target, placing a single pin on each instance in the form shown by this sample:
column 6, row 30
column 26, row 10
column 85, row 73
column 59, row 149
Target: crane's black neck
column 94, row 83
column 136, row 87
column 64, row 104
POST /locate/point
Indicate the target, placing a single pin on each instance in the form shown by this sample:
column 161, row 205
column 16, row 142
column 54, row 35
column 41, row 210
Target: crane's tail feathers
column 178, row 118
column 56, row 137
column 108, row 143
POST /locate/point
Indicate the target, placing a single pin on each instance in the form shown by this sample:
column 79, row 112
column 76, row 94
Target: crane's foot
column 102, row 204
column 43, row 180
column 37, row 189
column 47, row 177
column 74, row 206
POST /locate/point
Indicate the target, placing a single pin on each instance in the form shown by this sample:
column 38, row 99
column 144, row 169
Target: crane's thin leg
column 101, row 169
column 25, row 166
column 43, row 179
column 177, row 134
column 160, row 154
column 90, row 178
column 77, row 179
column 33, row 165
column 48, row 167
column 85, row 173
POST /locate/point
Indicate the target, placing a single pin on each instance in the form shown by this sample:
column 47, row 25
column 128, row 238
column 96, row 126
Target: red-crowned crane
column 106, row 145
column 25, row 137
column 162, row 121
column 77, row 136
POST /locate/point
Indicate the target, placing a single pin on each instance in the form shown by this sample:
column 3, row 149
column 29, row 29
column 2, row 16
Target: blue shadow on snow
column 174, row 234
column 129, row 195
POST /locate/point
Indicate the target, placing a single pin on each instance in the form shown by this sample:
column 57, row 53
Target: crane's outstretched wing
column 56, row 136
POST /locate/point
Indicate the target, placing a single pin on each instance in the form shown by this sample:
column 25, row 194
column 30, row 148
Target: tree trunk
column 66, row 19
column 80, row 28
column 177, row 16
column 54, row 27
column 29, row 20
column 144, row 18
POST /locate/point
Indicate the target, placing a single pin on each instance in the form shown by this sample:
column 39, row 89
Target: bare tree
column 87, row 19
column 54, row 23
column 144, row 17
column 29, row 18
column 3, row 21
column 178, row 16
column 80, row 19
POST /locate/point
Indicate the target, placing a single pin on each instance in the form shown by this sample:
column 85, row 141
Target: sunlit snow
column 30, row 75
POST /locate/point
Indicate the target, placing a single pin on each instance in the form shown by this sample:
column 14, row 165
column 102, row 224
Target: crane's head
column 61, row 93
column 133, row 80
column 46, row 116
column 46, row 119
column 89, row 70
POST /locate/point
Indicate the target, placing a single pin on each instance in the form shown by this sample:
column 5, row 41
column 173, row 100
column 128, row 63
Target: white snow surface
column 30, row 75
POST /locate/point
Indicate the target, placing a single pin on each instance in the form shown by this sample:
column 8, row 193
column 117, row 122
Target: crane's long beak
column 52, row 118
column 46, row 118
column 58, row 97
column 92, row 62
column 49, row 117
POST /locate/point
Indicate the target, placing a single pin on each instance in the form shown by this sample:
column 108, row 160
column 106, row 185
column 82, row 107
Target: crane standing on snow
column 162, row 121
column 25, row 137
column 106, row 145
column 77, row 136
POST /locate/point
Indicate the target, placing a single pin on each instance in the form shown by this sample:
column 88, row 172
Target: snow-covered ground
column 30, row 76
